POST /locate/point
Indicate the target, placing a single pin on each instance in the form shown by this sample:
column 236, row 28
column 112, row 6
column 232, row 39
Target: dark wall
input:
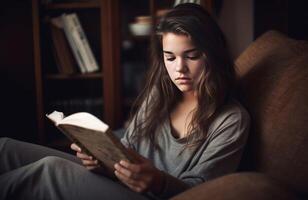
column 17, row 71
column 298, row 19
column 287, row 16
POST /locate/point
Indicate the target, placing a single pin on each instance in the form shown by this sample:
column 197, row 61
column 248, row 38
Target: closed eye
column 170, row 58
column 194, row 57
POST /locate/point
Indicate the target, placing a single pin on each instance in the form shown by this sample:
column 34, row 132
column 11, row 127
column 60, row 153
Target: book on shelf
column 94, row 137
column 79, row 43
column 73, row 45
column 177, row 2
column 87, row 53
column 62, row 52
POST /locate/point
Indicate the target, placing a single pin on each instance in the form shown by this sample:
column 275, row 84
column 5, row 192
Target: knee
column 53, row 167
column 55, row 164
column 4, row 141
column 52, row 161
column 49, row 166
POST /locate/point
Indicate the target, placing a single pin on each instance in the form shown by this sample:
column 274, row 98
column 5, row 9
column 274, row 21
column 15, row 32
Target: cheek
column 197, row 68
column 170, row 73
column 168, row 67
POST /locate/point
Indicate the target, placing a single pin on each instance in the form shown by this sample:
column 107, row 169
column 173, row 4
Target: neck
column 189, row 97
column 182, row 114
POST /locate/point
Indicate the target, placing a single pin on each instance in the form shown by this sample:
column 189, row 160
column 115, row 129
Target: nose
column 181, row 65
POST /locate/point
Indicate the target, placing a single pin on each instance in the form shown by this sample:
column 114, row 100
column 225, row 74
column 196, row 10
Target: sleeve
column 125, row 140
column 220, row 156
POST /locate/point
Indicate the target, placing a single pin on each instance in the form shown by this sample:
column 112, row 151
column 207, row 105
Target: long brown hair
column 160, row 94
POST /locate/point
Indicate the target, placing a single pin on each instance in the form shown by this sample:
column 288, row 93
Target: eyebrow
column 187, row 51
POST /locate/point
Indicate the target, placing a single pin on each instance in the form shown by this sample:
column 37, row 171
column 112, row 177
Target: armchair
column 273, row 84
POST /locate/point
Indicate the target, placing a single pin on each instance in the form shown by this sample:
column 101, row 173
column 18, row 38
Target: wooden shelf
column 104, row 34
column 73, row 5
column 74, row 76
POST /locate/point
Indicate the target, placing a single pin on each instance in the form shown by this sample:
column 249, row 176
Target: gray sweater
column 220, row 154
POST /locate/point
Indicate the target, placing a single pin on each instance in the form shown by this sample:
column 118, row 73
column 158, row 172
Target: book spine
column 54, row 50
column 176, row 2
column 63, row 54
column 87, row 53
column 68, row 29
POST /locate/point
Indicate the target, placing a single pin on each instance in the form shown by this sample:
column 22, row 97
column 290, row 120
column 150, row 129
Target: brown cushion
column 240, row 186
column 273, row 78
column 272, row 46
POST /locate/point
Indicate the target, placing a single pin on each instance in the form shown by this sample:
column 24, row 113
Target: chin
column 185, row 88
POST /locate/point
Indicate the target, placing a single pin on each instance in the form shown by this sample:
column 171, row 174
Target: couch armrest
column 238, row 186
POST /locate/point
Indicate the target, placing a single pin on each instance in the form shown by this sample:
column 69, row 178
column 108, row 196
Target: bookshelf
column 100, row 21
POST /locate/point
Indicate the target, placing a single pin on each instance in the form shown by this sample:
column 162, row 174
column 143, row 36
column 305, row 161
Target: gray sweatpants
column 29, row 171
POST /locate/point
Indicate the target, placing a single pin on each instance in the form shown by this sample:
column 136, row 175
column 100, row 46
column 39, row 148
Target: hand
column 86, row 160
column 140, row 177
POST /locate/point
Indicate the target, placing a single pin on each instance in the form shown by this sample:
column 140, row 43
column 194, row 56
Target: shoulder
column 231, row 118
column 232, row 111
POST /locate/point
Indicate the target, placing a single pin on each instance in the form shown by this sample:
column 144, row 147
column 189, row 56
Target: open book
column 93, row 136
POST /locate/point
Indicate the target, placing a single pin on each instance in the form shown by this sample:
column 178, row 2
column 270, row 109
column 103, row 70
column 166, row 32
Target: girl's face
column 183, row 61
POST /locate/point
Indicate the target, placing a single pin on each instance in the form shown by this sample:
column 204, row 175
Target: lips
column 183, row 80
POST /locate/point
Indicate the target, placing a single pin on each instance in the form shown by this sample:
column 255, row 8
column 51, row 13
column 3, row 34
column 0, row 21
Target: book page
column 55, row 116
column 85, row 120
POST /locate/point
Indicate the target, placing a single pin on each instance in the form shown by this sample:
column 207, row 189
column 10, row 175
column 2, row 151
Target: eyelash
column 189, row 57
column 193, row 57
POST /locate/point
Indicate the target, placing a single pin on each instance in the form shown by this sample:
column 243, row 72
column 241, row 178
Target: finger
column 124, row 179
column 133, row 185
column 84, row 156
column 134, row 168
column 136, row 188
column 90, row 162
column 126, row 172
column 91, row 167
column 75, row 147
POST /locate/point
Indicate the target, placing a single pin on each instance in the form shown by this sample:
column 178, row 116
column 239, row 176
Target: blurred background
column 40, row 72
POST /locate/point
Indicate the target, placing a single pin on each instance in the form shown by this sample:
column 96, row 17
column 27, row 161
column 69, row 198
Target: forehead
column 176, row 43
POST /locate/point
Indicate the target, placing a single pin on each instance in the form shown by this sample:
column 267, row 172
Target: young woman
column 187, row 130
